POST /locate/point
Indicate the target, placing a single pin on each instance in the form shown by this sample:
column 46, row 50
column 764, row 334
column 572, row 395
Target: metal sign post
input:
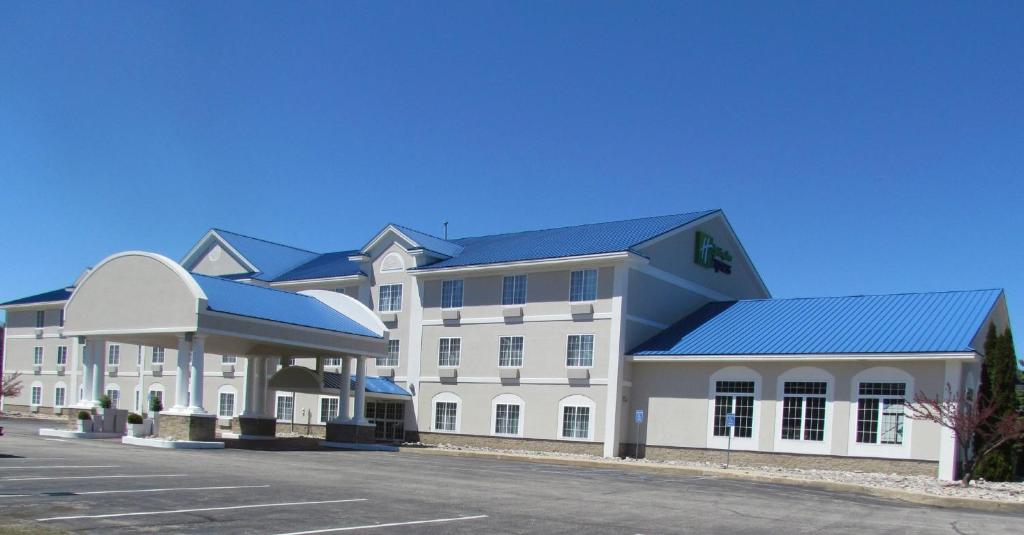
column 638, row 417
column 730, row 422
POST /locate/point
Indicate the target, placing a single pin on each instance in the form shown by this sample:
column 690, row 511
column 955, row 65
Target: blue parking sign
column 730, row 420
column 638, row 416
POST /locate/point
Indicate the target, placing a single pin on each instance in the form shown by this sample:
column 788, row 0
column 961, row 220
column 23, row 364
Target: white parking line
column 392, row 524
column 51, row 467
column 55, row 439
column 118, row 476
column 131, row 491
column 33, row 458
column 144, row 513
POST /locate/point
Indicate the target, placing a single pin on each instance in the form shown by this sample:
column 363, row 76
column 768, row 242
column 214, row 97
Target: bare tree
column 967, row 418
column 10, row 385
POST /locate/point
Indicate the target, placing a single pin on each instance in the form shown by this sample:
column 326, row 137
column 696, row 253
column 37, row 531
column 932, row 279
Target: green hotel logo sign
column 711, row 256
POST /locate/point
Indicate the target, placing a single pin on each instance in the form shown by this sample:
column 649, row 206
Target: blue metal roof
column 252, row 301
column 374, row 384
column 46, row 297
column 271, row 259
column 900, row 323
column 431, row 243
column 595, row 238
column 324, row 266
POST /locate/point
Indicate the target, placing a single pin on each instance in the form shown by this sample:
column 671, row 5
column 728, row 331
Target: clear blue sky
column 864, row 148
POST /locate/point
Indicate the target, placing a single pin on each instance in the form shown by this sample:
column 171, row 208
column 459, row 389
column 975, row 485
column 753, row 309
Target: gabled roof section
column 253, row 301
column 328, row 265
column 578, row 240
column 942, row 322
column 52, row 296
column 418, row 240
column 269, row 258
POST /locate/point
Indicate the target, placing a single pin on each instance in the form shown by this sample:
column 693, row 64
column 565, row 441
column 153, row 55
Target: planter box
column 137, row 430
column 84, row 426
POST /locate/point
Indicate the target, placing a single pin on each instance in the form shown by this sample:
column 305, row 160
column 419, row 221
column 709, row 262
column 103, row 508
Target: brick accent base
column 350, row 433
column 788, row 460
column 505, row 443
column 185, row 427
column 263, row 427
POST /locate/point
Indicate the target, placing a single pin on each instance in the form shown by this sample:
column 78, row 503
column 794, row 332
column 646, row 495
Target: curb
column 918, row 498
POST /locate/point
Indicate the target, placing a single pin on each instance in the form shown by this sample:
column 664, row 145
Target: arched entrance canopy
column 144, row 298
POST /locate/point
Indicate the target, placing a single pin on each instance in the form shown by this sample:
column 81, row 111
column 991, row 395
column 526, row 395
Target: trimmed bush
column 134, row 418
column 84, row 415
column 155, row 405
column 105, row 401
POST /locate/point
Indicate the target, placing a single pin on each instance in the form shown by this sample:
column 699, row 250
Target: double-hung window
column 62, row 355
column 114, row 355
column 226, row 405
column 59, row 396
column 158, row 355
column 575, row 422
column 328, row 409
column 228, row 359
column 736, row 397
column 40, row 319
column 115, row 396
column 37, row 356
column 391, row 360
column 390, row 298
column 803, row 410
column 451, row 294
column 445, row 413
column 583, row 285
column 37, row 395
column 513, row 290
column 506, row 419
column 448, row 351
column 880, row 414
column 510, row 351
column 285, row 407
column 580, row 351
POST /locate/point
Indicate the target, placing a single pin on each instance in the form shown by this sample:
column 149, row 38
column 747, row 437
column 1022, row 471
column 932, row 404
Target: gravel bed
column 979, row 489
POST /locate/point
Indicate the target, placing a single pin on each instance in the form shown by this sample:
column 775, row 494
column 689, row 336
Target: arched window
column 879, row 426
column 114, row 393
column 156, row 390
column 447, row 413
column 507, row 412
column 392, row 262
column 226, row 396
column 576, row 418
column 803, row 411
column 736, row 391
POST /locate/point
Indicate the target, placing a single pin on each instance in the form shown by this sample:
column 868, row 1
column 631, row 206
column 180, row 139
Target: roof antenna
column 446, row 230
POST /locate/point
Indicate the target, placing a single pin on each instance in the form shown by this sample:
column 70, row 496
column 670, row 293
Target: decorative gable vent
column 392, row 262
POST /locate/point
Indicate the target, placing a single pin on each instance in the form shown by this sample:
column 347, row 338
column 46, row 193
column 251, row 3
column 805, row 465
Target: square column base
column 196, row 427
column 252, row 426
column 351, row 433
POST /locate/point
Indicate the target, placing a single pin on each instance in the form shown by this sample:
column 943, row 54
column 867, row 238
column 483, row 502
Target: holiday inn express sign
column 709, row 255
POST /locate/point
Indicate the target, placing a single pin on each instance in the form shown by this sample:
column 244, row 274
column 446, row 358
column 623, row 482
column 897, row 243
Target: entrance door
column 389, row 417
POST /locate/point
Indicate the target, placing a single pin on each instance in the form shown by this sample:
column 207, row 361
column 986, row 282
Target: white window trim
column 56, row 358
column 384, row 260
column 110, row 353
column 31, row 387
column 401, row 303
column 805, row 374
column 597, row 275
column 593, row 353
column 446, row 366
column 113, row 387
column 38, row 350
column 398, row 358
column 234, row 405
column 576, row 400
column 445, row 397
column 881, row 374
column 155, row 387
column 507, row 399
column 40, row 319
column 290, row 395
column 523, row 359
column 463, row 300
column 60, row 384
column 735, row 373
column 526, row 290
column 153, row 353
column 320, row 409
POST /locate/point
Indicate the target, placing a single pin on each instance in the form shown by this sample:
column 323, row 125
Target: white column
column 259, row 390
column 99, row 368
column 198, row 360
column 616, row 351
column 86, row 397
column 346, row 391
column 360, row 409
column 948, row 454
column 250, row 387
column 181, row 379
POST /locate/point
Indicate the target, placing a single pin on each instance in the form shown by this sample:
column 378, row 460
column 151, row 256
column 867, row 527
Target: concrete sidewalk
column 739, row 473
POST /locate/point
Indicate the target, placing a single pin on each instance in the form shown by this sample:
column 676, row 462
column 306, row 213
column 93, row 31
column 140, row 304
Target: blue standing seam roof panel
column 46, row 297
column 327, row 265
column 431, row 243
column 579, row 240
column 374, row 384
column 940, row 322
column 252, row 301
column 271, row 259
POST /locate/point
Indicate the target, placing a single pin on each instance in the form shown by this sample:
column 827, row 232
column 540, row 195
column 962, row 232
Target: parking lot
column 101, row 485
